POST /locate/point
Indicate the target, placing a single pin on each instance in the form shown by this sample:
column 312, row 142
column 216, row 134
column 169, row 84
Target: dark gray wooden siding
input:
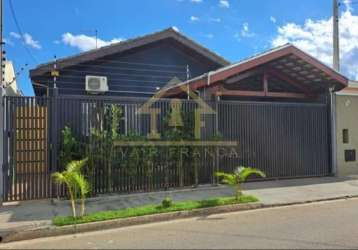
column 135, row 73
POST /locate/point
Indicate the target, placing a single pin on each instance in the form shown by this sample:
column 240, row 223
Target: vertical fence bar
column 53, row 113
column 5, row 141
column 2, row 145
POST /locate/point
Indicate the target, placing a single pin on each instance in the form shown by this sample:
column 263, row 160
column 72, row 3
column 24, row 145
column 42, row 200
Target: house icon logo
column 175, row 120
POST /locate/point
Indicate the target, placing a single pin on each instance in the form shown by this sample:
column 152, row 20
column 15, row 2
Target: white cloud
column 15, row 35
column 196, row 1
column 245, row 31
column 315, row 37
column 84, row 42
column 175, row 28
column 224, row 4
column 215, row 20
column 31, row 42
column 273, row 19
column 347, row 4
column 27, row 39
column 194, row 18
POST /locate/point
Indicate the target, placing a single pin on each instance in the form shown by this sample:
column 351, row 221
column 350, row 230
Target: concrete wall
column 347, row 118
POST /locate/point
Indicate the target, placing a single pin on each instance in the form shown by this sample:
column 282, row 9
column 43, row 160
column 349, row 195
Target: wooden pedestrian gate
column 26, row 174
column 282, row 139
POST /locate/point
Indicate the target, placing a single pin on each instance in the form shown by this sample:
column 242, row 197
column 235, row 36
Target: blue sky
column 234, row 29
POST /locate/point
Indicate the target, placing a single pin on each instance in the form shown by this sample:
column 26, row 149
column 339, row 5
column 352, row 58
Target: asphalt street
column 319, row 225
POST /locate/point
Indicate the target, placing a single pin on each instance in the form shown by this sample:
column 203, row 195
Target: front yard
column 152, row 209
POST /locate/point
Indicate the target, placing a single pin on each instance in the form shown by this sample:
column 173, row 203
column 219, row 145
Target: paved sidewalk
column 36, row 213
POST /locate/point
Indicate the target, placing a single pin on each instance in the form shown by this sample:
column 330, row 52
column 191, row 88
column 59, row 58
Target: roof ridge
column 169, row 32
column 106, row 47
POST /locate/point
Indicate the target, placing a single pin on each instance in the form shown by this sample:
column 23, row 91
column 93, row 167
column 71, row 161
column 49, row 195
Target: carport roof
column 287, row 59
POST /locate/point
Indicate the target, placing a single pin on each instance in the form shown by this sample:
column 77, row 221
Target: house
column 276, row 104
column 135, row 67
column 346, row 127
column 275, row 107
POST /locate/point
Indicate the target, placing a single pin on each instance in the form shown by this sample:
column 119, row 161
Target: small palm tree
column 75, row 183
column 239, row 176
column 84, row 189
column 66, row 178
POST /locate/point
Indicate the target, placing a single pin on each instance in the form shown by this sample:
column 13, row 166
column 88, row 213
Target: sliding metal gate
column 282, row 139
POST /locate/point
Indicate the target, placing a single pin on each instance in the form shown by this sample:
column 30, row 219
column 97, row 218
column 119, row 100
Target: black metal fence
column 133, row 145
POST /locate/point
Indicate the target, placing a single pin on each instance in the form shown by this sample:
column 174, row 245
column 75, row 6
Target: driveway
column 317, row 225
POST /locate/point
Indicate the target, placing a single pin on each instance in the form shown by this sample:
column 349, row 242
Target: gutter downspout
column 209, row 75
column 333, row 131
column 208, row 82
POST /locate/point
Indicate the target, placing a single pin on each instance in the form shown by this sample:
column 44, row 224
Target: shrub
column 167, row 202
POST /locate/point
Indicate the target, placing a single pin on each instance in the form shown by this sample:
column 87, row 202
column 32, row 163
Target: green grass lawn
column 151, row 209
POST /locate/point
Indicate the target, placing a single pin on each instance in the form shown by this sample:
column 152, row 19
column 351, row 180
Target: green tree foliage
column 180, row 156
column 104, row 132
column 69, row 148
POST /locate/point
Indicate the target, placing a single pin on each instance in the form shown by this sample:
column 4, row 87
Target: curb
column 50, row 230
column 283, row 204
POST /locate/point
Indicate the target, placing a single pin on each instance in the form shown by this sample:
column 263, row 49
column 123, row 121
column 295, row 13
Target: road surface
column 320, row 225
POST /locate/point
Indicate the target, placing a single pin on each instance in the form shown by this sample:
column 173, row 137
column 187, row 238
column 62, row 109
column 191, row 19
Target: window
column 350, row 155
column 345, row 136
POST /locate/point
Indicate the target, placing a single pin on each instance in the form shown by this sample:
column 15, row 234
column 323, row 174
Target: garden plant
column 75, row 182
column 239, row 176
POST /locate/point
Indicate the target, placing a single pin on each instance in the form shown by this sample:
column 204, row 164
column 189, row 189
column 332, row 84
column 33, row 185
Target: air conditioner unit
column 96, row 84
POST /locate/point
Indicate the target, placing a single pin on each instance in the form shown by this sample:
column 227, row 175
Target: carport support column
column 217, row 153
column 333, row 131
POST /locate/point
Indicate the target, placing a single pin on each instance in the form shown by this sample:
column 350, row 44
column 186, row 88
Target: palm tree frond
column 82, row 183
column 229, row 179
column 246, row 172
column 76, row 166
column 59, row 178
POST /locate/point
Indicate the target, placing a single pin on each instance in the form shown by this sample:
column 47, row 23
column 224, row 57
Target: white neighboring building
column 10, row 80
